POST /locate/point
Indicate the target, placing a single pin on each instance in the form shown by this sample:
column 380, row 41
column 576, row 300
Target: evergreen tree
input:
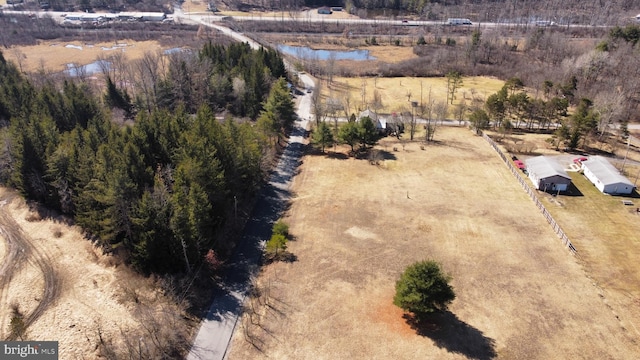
column 349, row 134
column 368, row 134
column 323, row 136
column 422, row 289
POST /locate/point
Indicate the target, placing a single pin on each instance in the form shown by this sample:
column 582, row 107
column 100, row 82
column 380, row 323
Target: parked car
column 580, row 160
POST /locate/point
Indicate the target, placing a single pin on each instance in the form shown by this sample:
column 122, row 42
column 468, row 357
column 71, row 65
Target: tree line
column 161, row 191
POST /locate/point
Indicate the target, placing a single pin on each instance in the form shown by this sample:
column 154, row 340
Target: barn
column 547, row 174
column 606, row 177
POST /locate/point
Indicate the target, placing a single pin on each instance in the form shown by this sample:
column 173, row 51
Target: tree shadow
column 387, row 155
column 337, row 155
column 454, row 335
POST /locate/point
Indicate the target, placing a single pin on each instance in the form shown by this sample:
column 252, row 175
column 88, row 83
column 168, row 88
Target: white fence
column 532, row 194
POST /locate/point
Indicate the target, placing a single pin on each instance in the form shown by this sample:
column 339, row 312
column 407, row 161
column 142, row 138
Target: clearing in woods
column 520, row 292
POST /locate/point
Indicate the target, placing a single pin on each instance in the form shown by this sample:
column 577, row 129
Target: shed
column 606, row 177
column 547, row 174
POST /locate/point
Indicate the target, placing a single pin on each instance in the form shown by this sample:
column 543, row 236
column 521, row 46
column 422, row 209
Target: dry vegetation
column 95, row 307
column 54, row 56
column 394, row 92
column 520, row 294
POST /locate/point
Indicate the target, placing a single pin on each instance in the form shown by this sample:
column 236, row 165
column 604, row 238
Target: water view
column 89, row 69
column 305, row 52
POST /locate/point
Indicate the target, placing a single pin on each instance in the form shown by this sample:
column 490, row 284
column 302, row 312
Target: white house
column 606, row 177
column 547, row 174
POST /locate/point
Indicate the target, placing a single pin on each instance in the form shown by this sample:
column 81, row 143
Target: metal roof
column 544, row 167
column 603, row 170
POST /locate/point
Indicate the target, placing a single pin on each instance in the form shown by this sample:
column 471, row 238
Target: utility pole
column 625, row 154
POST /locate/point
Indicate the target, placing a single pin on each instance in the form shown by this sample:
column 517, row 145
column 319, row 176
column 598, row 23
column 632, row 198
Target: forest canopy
column 162, row 190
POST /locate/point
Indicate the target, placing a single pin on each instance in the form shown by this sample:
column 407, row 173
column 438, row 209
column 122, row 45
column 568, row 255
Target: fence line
column 556, row 227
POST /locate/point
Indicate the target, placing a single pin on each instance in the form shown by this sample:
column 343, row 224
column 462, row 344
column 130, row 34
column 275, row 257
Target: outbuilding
column 547, row 174
column 606, row 177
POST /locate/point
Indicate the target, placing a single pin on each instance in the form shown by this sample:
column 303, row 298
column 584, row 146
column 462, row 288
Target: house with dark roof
column 547, row 174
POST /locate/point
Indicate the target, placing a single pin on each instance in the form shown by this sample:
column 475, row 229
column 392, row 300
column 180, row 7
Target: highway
column 308, row 16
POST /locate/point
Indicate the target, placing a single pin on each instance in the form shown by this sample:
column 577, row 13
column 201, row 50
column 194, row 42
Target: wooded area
column 162, row 191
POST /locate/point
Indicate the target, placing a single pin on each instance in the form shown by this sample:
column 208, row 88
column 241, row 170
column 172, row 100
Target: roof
column 544, row 167
column 372, row 115
column 604, row 171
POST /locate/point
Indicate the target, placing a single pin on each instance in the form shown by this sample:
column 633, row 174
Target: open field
column 68, row 291
column 520, row 293
column 54, row 56
column 394, row 92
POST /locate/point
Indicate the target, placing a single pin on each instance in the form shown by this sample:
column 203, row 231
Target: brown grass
column 54, row 56
column 520, row 294
column 395, row 92
column 97, row 301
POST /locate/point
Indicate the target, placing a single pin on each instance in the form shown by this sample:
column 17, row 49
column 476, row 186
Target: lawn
column 520, row 293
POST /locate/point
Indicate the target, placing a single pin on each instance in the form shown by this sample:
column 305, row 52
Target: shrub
column 281, row 228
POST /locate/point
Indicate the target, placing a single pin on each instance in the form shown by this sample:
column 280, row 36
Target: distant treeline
column 162, row 190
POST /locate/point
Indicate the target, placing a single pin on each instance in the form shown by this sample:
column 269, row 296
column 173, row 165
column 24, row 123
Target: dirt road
column 20, row 250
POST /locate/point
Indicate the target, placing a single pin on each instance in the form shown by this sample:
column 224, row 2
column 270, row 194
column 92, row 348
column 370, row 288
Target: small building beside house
column 547, row 174
column 606, row 177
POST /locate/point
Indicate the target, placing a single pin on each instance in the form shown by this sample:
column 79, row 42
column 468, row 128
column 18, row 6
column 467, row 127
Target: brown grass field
column 54, row 55
column 394, row 92
column 520, row 293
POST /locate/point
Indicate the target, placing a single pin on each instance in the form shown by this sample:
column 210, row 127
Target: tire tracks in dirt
column 20, row 249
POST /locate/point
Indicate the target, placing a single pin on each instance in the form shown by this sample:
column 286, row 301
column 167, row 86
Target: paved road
column 214, row 336
column 215, row 333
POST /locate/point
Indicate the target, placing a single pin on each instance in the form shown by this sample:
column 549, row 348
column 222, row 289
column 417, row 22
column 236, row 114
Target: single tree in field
column 423, row 288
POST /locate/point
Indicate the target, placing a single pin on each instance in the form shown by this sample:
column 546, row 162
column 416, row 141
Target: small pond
column 304, row 52
column 89, row 69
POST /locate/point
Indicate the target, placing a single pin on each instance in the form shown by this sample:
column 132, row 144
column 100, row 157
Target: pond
column 305, row 52
column 89, row 69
